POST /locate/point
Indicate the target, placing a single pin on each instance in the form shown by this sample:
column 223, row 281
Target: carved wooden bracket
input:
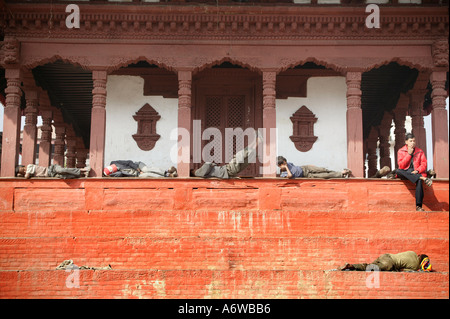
column 303, row 127
column 146, row 136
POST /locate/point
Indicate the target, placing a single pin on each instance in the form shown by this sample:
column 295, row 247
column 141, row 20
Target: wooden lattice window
column 236, row 116
column 303, row 129
column 146, row 135
column 225, row 112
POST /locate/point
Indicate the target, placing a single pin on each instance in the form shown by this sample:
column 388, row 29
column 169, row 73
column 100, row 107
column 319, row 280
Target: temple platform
column 210, row 238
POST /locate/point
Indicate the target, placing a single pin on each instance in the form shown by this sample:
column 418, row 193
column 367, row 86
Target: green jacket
column 407, row 260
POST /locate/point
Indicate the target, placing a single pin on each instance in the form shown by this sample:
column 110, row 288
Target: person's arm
column 30, row 170
column 403, row 159
column 288, row 171
column 423, row 163
column 411, row 152
column 285, row 172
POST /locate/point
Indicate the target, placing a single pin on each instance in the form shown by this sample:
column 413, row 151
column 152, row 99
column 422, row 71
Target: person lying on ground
column 404, row 261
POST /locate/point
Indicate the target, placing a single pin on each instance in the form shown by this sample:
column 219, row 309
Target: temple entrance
column 227, row 102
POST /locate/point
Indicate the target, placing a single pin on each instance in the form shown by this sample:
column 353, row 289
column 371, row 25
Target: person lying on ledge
column 238, row 163
column 127, row 168
column 289, row 170
column 405, row 261
column 32, row 170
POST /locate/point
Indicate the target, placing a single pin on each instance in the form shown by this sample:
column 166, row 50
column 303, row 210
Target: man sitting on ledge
column 412, row 166
column 405, row 261
column 51, row 171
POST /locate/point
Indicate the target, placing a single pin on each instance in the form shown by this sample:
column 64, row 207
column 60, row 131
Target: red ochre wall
column 195, row 238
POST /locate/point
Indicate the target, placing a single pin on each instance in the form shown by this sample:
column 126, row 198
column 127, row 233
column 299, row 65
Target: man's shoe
column 419, row 209
column 391, row 175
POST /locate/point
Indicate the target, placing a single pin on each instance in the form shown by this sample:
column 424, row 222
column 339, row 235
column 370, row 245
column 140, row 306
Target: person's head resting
column 20, row 170
column 281, row 161
column 410, row 140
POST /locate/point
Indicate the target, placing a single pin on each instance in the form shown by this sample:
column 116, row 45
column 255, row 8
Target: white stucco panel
column 124, row 98
column 326, row 98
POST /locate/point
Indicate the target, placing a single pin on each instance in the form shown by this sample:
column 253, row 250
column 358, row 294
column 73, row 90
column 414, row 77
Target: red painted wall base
column 195, row 238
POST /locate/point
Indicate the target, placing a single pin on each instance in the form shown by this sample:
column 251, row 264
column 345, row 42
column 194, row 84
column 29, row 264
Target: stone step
column 268, row 224
column 211, row 284
column 202, row 253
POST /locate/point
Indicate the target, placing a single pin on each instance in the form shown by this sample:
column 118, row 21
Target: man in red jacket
column 412, row 165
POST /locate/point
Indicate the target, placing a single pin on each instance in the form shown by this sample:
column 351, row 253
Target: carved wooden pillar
column 269, row 166
column 439, row 124
column 439, row 114
column 98, row 124
column 365, row 154
column 355, row 155
column 417, row 113
column 45, row 144
column 71, row 142
column 184, row 122
column 81, row 153
column 384, row 136
column 417, row 97
column 60, row 139
column 29, row 139
column 400, row 112
column 11, row 115
column 372, row 158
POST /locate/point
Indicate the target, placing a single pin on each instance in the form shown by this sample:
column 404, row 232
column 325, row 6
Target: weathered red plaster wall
column 179, row 238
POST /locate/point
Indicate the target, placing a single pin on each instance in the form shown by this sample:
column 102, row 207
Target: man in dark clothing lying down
column 405, row 261
column 127, row 168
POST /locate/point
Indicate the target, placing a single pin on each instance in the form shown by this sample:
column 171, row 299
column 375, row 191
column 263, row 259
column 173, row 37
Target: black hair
column 408, row 136
column 18, row 168
column 281, row 160
column 422, row 257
